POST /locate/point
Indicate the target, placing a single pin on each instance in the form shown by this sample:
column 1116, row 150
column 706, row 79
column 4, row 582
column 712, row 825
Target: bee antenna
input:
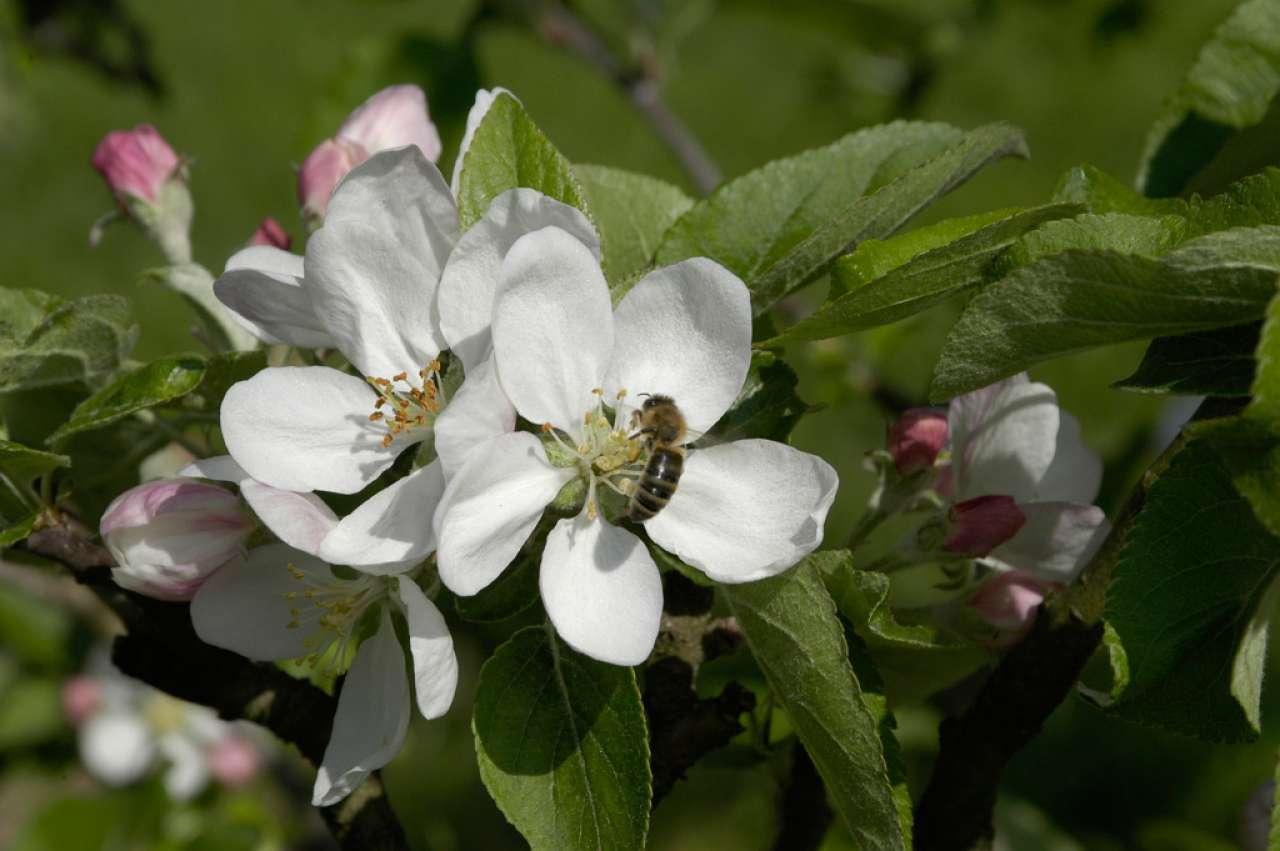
column 643, row 394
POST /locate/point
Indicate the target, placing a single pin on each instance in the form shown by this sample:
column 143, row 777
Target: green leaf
column 79, row 824
column 791, row 625
column 563, row 746
column 1273, row 835
column 1102, row 193
column 45, row 340
column 21, row 464
column 154, row 384
column 1250, row 443
column 781, row 225
column 507, row 151
column 1128, row 234
column 1189, row 601
column 1208, row 363
column 916, row 660
column 1077, row 300
column 767, row 407
column 632, row 212
column 875, row 698
column 19, row 530
column 1229, row 88
column 923, row 281
column 30, row 713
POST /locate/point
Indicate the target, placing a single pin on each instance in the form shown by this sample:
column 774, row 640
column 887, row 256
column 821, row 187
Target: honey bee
column 663, row 426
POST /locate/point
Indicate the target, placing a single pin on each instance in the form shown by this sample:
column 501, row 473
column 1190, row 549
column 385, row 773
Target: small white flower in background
column 146, row 178
column 392, row 118
column 128, row 729
column 1017, row 485
column 281, row 603
column 743, row 510
column 167, row 536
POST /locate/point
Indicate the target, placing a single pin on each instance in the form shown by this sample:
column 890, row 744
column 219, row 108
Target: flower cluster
column 475, row 395
column 127, row 730
column 1010, row 487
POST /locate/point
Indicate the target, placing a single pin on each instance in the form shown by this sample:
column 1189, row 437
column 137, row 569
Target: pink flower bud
column 81, row 698
column 916, row 439
column 234, row 761
column 1008, row 602
column 392, row 118
column 270, row 233
column 135, row 162
column 167, row 536
column 321, row 171
column 981, row 524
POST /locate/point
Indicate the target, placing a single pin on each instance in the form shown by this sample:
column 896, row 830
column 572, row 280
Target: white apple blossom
column 128, row 729
column 568, row 361
column 282, row 603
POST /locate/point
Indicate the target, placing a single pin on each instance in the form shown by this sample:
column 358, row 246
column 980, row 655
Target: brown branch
column 957, row 808
column 561, row 27
column 162, row 649
column 682, row 727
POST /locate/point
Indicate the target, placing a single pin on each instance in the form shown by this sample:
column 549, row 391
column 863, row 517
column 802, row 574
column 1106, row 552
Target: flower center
column 163, row 714
column 606, row 455
column 410, row 409
column 330, row 612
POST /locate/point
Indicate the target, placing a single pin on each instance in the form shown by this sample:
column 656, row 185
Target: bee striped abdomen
column 657, row 484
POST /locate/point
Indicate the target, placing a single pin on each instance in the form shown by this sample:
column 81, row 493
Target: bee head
column 652, row 402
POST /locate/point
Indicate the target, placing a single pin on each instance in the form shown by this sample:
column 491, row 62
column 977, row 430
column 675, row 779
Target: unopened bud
column 271, row 233
column 979, row 525
column 135, row 163
column 167, row 536
column 81, row 698
column 1008, row 603
column 916, row 439
column 392, row 118
column 234, row 761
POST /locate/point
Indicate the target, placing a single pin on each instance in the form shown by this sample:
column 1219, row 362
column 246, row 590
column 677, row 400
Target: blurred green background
column 246, row 88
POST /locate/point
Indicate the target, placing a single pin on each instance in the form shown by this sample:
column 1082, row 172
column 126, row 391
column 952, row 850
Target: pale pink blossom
column 167, row 536
column 1008, row 602
column 393, row 118
column 81, row 698
column 234, row 760
column 981, row 524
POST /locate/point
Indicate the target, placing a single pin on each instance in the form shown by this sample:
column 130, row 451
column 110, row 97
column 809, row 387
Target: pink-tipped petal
column 981, row 524
column 321, row 171
column 271, row 233
column 392, row 118
column 1008, row 602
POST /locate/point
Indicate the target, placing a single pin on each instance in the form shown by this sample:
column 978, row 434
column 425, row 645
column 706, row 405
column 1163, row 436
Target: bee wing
column 701, row 438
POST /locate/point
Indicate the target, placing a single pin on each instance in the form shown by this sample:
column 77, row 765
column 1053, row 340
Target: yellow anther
column 434, row 366
column 546, row 428
column 400, row 376
column 375, row 416
column 597, row 391
column 622, row 394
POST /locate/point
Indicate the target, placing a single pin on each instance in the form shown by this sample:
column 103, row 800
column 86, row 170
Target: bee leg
column 649, row 430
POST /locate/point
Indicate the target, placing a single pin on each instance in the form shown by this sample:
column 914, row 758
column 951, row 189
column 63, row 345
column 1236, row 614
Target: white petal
column 1076, row 472
column 484, row 100
column 1003, row 439
column 470, row 280
column 219, row 468
column 306, row 428
column 243, row 608
column 188, row 771
column 490, row 507
column 477, row 413
column 394, row 525
column 1057, row 541
column 552, row 328
column 746, row 510
column 262, row 288
column 602, row 590
column 435, row 665
column 372, row 270
column 116, row 747
column 372, row 718
column 684, row 331
column 301, row 520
